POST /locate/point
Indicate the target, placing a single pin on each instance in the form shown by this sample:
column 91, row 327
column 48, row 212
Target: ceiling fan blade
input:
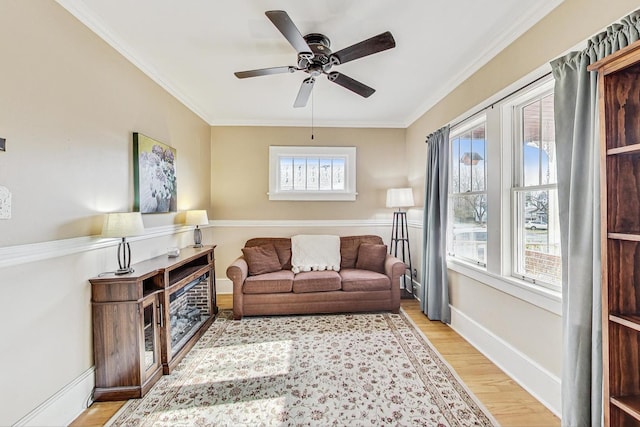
column 351, row 84
column 264, row 72
column 370, row 46
column 304, row 92
column 285, row 25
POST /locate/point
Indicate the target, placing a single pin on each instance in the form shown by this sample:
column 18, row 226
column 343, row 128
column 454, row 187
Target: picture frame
column 154, row 176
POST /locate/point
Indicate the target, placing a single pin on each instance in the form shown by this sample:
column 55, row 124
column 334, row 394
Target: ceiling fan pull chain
column 312, row 103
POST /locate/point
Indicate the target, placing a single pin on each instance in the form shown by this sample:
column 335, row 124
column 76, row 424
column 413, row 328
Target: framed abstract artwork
column 154, row 176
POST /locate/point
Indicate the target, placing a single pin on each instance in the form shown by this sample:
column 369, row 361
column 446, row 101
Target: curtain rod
column 502, row 99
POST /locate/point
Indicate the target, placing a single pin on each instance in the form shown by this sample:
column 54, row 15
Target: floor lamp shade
column 197, row 217
column 400, row 198
column 123, row 225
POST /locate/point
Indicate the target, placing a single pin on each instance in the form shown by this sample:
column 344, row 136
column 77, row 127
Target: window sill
column 313, row 196
column 544, row 298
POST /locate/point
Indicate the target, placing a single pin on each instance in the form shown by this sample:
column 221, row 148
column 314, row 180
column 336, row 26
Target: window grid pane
column 468, row 238
column 538, row 236
column 339, row 173
column 300, row 173
column 326, row 172
column 313, row 174
column 286, row 173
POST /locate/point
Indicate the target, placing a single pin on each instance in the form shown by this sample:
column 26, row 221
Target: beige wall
column 68, row 106
column 240, row 171
column 240, row 182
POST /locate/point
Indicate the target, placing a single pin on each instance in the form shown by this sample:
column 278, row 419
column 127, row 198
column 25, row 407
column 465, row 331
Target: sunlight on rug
column 342, row 370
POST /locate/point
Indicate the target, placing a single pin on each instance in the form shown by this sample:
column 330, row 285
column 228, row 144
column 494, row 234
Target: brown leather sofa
column 368, row 280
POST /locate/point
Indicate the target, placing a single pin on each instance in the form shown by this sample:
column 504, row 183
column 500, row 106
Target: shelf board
column 629, row 404
column 179, row 275
column 629, row 320
column 624, row 236
column 634, row 148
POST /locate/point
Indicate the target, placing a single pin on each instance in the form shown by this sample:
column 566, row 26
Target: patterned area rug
column 325, row 370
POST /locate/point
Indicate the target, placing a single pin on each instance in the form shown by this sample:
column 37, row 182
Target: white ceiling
column 193, row 47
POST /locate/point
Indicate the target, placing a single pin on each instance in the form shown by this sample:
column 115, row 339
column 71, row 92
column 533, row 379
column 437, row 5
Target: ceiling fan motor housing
column 320, row 62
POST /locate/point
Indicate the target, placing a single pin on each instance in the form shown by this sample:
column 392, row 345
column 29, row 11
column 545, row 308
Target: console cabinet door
column 150, row 321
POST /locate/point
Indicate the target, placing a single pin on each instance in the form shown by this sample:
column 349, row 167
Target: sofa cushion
column 269, row 283
column 371, row 257
column 349, row 248
column 316, row 281
column 363, row 280
column 284, row 254
column 283, row 248
column 262, row 259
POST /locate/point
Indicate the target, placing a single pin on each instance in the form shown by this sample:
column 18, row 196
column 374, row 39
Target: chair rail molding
column 31, row 252
column 22, row 254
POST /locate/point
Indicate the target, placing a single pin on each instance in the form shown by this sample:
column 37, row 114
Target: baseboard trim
column 539, row 382
column 224, row 286
column 64, row 406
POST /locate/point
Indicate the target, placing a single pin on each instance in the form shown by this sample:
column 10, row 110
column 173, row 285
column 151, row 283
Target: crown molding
column 506, row 37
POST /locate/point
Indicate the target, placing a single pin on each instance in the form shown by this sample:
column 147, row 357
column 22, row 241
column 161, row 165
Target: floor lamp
column 401, row 198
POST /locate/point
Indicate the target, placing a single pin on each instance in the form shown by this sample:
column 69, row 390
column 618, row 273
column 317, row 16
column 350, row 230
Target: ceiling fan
column 315, row 57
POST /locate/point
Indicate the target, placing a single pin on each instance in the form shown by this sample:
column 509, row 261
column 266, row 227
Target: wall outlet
column 415, row 273
column 5, row 203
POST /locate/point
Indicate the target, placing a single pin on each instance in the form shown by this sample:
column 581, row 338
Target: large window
column 535, row 215
column 468, row 193
column 503, row 226
column 312, row 173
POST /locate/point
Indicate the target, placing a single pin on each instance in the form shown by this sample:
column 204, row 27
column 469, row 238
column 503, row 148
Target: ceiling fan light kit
column 315, row 57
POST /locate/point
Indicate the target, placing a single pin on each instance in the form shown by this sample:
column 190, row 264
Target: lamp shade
column 399, row 197
column 196, row 217
column 122, row 224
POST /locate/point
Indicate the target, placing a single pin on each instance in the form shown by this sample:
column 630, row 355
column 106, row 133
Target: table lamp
column 197, row 218
column 123, row 225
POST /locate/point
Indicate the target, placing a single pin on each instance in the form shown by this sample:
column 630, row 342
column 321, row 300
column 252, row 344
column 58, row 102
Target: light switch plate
column 5, row 203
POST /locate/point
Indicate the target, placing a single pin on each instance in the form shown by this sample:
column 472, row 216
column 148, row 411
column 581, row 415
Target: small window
column 468, row 193
column 537, row 255
column 312, row 173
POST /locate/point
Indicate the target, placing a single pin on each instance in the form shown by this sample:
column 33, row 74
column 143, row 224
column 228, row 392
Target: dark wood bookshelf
column 619, row 109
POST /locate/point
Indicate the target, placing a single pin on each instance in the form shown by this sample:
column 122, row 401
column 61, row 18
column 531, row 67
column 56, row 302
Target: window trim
column 348, row 153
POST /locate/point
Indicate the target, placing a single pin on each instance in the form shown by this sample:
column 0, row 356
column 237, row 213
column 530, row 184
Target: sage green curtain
column 577, row 150
column 434, row 296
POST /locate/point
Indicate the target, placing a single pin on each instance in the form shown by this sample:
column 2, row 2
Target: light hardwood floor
column 509, row 403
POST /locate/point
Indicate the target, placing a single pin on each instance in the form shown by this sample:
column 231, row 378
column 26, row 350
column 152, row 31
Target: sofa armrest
column 394, row 268
column 238, row 272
